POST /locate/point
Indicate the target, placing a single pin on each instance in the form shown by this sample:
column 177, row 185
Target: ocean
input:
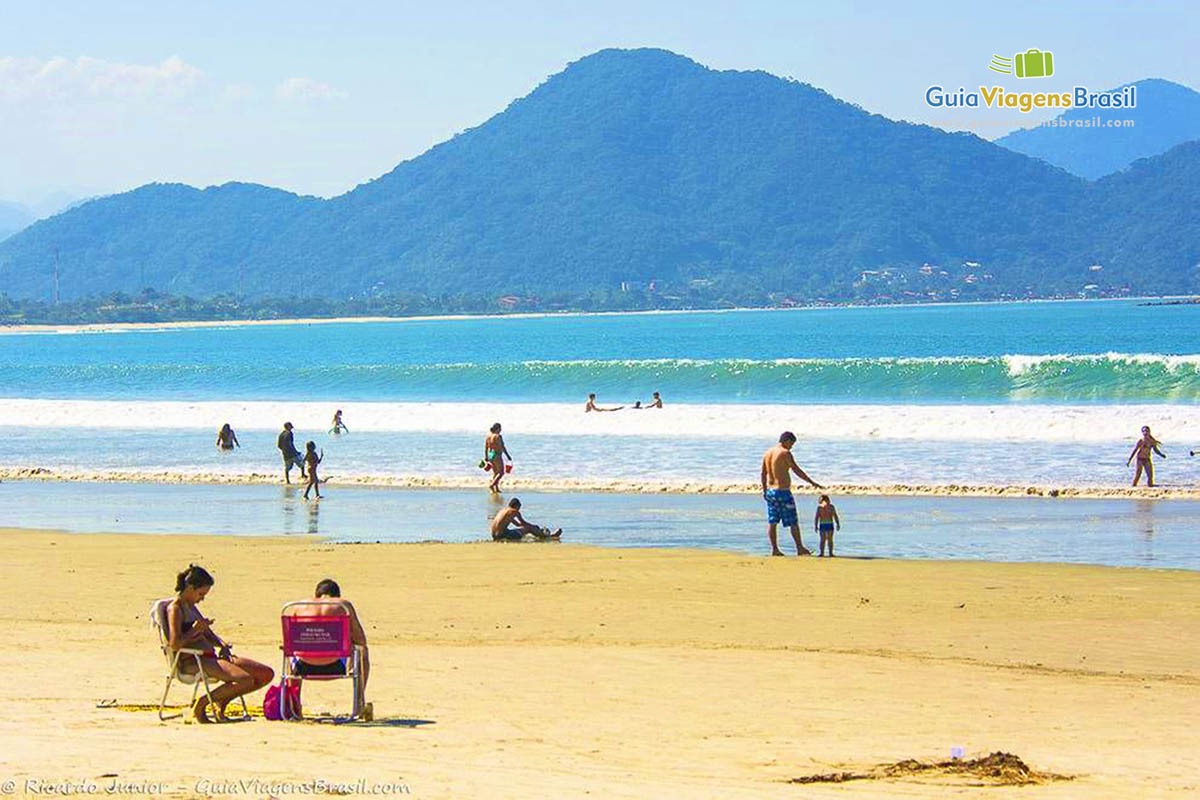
column 1019, row 394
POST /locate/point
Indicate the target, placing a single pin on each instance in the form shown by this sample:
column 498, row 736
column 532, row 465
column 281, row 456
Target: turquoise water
column 1084, row 352
column 1047, row 394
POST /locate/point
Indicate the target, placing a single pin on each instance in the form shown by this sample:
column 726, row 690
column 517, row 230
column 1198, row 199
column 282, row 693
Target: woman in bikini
column 494, row 453
column 227, row 439
column 187, row 627
column 1142, row 450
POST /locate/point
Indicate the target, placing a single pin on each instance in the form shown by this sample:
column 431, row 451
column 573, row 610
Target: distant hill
column 13, row 217
column 1167, row 114
column 18, row 216
column 640, row 171
column 1146, row 223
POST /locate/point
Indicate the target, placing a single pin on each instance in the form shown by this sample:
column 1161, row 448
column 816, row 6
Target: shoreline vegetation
column 758, row 671
column 118, row 312
column 1159, row 492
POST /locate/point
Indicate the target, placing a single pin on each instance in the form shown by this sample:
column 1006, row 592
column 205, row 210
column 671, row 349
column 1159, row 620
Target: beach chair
column 158, row 619
column 319, row 638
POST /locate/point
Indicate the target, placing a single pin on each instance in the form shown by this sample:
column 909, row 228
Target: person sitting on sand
column 494, row 453
column 777, row 466
column 187, row 627
column 291, row 456
column 311, row 459
column 591, row 405
column 338, row 425
column 511, row 515
column 227, row 439
column 824, row 521
column 333, row 605
column 1143, row 448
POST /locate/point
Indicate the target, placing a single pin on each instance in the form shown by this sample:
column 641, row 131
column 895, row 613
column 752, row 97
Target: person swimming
column 338, row 425
column 591, row 405
column 226, row 438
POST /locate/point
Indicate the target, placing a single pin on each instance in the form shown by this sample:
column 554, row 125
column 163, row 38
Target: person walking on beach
column 291, row 456
column 776, row 475
column 494, row 453
column 591, row 405
column 227, row 439
column 824, row 521
column 187, row 627
column 511, row 515
column 311, row 459
column 338, row 425
column 1143, row 449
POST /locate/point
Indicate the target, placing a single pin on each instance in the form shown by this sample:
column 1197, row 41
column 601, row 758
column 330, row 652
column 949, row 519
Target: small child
column 825, row 521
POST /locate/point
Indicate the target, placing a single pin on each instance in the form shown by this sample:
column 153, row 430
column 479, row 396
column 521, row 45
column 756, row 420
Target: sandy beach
column 102, row 327
column 565, row 671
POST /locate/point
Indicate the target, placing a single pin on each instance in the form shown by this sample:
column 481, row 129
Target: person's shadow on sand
column 386, row 722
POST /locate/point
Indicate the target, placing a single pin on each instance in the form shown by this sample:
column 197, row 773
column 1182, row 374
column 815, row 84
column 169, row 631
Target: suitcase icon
column 1034, row 63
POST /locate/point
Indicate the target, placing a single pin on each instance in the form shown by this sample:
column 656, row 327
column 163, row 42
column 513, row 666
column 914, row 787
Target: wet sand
column 564, row 671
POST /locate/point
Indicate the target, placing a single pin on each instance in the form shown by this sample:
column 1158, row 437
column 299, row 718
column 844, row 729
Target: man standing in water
column 778, row 464
column 1142, row 450
column 287, row 448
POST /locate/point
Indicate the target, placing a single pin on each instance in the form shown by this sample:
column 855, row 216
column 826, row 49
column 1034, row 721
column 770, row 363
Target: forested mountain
column 643, row 173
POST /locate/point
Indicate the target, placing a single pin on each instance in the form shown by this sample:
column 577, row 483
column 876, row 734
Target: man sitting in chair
column 328, row 602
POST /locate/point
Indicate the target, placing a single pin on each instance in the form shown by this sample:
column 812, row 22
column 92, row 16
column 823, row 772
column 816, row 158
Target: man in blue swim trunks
column 777, row 468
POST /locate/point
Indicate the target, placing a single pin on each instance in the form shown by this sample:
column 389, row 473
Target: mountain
column 631, row 167
column 1162, row 249
column 1167, row 114
column 13, row 217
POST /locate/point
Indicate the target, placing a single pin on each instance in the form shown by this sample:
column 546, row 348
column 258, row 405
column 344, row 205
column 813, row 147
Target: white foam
column 1177, row 424
column 1019, row 364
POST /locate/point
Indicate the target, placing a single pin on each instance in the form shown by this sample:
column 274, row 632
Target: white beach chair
column 158, row 619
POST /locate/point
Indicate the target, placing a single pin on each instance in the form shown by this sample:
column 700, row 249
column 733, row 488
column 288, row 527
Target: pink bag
column 291, row 699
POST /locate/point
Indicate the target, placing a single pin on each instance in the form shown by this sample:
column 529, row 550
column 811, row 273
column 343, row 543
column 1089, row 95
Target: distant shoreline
column 108, row 327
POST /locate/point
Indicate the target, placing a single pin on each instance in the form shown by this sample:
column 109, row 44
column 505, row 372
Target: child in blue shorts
column 825, row 521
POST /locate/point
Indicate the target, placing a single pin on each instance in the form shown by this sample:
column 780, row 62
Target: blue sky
column 97, row 97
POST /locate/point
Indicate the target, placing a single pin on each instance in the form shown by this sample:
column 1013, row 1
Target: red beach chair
column 312, row 638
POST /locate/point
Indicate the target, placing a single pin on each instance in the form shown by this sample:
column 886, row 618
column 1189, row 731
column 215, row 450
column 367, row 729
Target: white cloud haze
column 91, row 126
column 305, row 89
column 92, row 78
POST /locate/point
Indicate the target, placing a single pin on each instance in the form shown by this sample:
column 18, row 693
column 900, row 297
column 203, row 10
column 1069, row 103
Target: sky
column 317, row 97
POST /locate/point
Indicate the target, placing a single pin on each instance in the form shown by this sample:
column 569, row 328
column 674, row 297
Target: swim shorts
column 825, row 527
column 304, row 668
column 508, row 535
column 781, row 507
